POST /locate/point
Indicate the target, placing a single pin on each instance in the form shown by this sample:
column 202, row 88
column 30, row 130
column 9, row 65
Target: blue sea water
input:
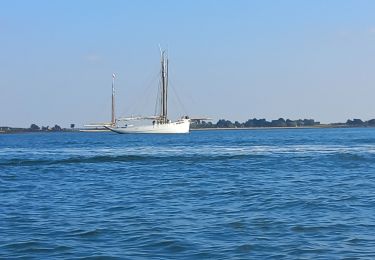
column 259, row 194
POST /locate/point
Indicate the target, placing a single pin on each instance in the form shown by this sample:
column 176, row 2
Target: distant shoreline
column 222, row 124
column 197, row 129
column 281, row 127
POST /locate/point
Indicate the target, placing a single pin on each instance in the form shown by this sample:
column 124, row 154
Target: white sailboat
column 159, row 124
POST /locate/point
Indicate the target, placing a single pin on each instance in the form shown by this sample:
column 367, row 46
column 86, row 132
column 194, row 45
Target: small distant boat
column 159, row 124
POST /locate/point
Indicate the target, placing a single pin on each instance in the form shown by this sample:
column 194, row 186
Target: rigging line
column 188, row 96
column 178, row 98
column 177, row 106
column 135, row 105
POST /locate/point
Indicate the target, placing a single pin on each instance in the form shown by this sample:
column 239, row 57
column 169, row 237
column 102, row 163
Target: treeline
column 281, row 122
column 35, row 128
column 222, row 123
column 359, row 122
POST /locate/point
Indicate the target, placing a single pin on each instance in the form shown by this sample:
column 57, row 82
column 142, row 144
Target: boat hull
column 178, row 127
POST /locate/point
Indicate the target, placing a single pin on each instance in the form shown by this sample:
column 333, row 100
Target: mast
column 164, row 88
column 113, row 118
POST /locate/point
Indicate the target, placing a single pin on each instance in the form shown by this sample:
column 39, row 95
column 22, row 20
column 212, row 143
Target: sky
column 232, row 59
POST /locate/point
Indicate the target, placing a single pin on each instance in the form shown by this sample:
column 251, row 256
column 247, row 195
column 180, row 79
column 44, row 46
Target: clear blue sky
column 228, row 59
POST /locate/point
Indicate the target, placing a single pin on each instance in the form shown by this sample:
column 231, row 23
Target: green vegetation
column 281, row 122
column 222, row 123
column 35, row 128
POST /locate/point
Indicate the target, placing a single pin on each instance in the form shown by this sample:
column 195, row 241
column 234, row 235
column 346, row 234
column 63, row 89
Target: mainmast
column 164, row 88
column 113, row 118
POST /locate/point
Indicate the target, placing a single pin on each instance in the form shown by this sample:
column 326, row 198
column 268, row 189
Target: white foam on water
column 205, row 150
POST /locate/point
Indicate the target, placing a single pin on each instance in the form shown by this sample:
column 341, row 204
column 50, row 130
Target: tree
column 238, row 124
column 34, row 127
column 222, row 123
column 371, row 122
column 299, row 122
column 56, row 128
column 355, row 122
column 308, row 122
column 250, row 123
column 262, row 123
column 291, row 123
column 278, row 123
column 72, row 126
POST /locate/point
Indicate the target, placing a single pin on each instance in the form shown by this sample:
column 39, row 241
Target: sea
column 231, row 194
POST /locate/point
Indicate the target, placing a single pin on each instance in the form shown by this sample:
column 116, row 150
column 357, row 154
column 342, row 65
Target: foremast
column 113, row 116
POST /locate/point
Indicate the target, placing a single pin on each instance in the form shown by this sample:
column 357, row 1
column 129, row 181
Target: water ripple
column 283, row 194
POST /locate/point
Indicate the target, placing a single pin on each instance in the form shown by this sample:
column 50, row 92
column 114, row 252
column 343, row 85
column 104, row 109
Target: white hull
column 179, row 127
